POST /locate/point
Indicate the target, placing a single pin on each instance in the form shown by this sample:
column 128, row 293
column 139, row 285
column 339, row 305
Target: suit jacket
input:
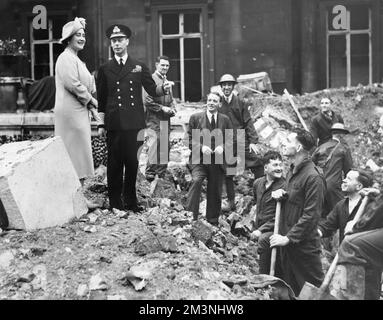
column 240, row 118
column 153, row 105
column 338, row 165
column 199, row 121
column 321, row 126
column 119, row 93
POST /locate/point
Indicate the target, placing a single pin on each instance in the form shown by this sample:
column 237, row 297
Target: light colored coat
column 74, row 88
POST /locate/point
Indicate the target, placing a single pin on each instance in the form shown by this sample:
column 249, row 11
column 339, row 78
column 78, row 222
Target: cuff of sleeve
column 101, row 123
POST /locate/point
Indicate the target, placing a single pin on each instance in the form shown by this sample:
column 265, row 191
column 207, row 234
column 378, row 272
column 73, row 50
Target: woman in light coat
column 74, row 88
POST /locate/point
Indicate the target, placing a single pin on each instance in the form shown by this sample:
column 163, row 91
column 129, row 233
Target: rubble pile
column 161, row 253
column 359, row 106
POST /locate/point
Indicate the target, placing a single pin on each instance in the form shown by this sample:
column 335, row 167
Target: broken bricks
column 150, row 243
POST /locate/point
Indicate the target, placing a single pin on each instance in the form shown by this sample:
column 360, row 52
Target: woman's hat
column 72, row 27
column 339, row 128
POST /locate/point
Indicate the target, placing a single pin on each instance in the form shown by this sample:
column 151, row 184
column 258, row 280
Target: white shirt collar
column 124, row 58
column 160, row 75
column 209, row 115
column 229, row 98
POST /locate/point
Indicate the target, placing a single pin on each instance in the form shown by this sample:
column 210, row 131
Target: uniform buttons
column 132, row 97
column 132, row 104
column 131, row 89
column 119, row 97
column 120, row 105
column 117, row 82
column 118, row 90
column 131, row 82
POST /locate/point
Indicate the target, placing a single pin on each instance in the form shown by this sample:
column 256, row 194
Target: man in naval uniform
column 119, row 93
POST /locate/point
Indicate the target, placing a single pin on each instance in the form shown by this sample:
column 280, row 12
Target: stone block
column 39, row 186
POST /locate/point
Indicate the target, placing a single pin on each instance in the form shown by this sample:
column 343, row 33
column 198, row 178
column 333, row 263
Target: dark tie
column 212, row 122
column 121, row 62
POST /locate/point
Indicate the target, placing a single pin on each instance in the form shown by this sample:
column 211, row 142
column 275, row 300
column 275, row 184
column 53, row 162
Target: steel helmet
column 227, row 78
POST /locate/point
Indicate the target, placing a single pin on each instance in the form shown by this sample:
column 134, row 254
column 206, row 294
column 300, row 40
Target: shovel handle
column 331, row 270
column 296, row 109
column 276, row 231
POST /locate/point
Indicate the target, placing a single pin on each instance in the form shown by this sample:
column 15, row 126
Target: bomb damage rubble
column 161, row 253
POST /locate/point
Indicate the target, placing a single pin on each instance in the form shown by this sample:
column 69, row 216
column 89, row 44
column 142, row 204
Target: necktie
column 121, row 62
column 212, row 122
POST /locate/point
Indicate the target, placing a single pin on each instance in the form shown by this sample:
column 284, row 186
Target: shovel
column 265, row 280
column 311, row 292
column 276, row 231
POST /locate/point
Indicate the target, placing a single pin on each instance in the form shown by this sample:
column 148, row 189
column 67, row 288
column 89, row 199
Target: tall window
column 181, row 41
column 45, row 47
column 349, row 51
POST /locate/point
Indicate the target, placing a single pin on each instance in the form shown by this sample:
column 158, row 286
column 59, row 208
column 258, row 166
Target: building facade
column 304, row 45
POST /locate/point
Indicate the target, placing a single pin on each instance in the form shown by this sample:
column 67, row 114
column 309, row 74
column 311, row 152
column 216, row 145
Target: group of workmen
column 319, row 195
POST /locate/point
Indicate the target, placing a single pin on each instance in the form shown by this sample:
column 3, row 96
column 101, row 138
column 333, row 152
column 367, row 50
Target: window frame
column 50, row 41
column 181, row 36
column 348, row 33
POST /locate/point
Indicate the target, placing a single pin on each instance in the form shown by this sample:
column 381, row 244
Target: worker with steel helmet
column 240, row 117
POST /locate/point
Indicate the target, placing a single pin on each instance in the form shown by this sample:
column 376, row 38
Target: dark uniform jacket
column 240, row 117
column 200, row 121
column 153, row 105
column 302, row 209
column 119, row 93
column 337, row 219
column 340, row 162
column 266, row 205
column 321, row 126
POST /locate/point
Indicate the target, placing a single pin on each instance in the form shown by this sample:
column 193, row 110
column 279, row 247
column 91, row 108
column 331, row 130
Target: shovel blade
column 311, row 292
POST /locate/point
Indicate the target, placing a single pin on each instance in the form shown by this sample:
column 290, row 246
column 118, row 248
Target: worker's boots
column 229, row 207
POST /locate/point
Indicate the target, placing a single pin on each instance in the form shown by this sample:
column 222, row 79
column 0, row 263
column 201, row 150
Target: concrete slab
column 39, row 186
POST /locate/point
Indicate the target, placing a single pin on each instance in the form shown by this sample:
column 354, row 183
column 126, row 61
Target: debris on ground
column 162, row 253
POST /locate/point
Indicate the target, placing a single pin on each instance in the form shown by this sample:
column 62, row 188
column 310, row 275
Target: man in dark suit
column 238, row 113
column 334, row 157
column 119, row 93
column 207, row 157
column 323, row 121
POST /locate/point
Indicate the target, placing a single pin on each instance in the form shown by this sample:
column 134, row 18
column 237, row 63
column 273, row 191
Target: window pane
column 41, row 72
column 40, row 34
column 42, row 54
column 57, row 49
column 359, row 17
column 359, row 59
column 193, row 85
column 192, row 48
column 170, row 23
column 191, row 22
column 171, row 48
column 337, row 61
column 192, row 54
